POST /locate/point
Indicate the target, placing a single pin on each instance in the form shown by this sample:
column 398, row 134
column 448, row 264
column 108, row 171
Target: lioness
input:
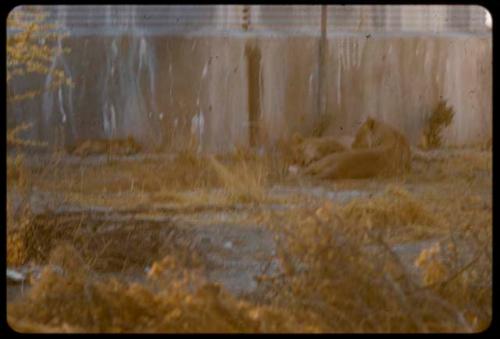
column 377, row 150
column 354, row 164
column 85, row 148
column 305, row 151
column 374, row 134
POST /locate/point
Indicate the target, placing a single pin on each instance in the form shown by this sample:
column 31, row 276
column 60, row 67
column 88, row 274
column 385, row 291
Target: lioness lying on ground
column 377, row 150
column 307, row 150
column 85, row 148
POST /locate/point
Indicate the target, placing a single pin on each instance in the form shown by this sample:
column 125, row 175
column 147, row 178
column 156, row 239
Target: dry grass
column 330, row 282
column 18, row 212
column 328, row 272
column 182, row 173
column 17, row 253
column 465, row 168
column 188, row 178
column 77, row 303
column 16, row 170
column 397, row 216
column 245, row 182
column 395, row 212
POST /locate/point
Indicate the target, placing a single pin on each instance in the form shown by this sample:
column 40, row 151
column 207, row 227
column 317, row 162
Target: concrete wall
column 400, row 80
column 158, row 87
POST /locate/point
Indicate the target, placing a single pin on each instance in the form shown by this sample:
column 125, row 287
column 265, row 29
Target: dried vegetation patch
column 339, row 271
column 440, row 118
column 396, row 212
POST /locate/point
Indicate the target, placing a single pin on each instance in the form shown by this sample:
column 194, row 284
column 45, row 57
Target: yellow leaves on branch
column 13, row 139
column 31, row 50
column 434, row 270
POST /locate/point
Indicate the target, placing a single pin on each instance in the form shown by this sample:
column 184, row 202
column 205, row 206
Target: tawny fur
column 311, row 149
column 377, row 150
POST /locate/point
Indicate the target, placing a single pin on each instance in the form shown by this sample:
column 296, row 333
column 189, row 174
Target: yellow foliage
column 433, row 269
column 30, row 50
column 14, row 140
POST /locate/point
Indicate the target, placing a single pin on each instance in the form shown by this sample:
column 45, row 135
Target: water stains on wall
column 253, row 90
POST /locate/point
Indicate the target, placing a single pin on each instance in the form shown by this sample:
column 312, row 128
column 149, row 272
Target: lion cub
column 377, row 150
column 85, row 148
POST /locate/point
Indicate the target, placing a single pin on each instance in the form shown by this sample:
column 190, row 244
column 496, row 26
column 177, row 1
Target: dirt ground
column 173, row 244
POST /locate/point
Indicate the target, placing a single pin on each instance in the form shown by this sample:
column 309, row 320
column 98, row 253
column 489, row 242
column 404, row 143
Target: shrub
column 441, row 117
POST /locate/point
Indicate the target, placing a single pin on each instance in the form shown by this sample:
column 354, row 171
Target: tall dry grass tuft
column 243, row 181
column 440, row 118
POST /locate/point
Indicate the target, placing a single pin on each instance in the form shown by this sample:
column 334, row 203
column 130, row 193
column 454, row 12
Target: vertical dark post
column 253, row 57
column 321, row 102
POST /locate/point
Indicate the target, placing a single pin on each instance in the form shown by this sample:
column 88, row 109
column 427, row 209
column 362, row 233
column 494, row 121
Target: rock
column 14, row 276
